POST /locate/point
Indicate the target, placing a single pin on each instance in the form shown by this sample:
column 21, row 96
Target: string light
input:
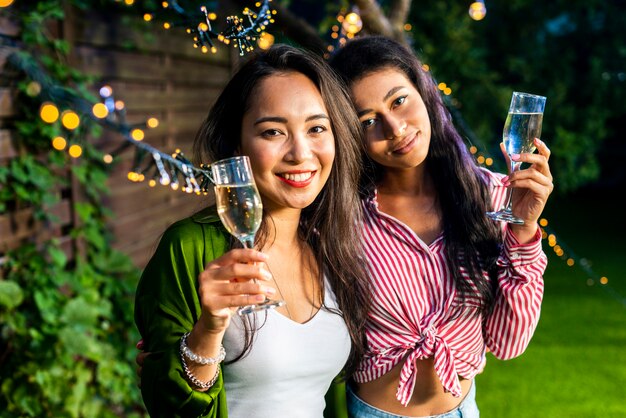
column 571, row 259
column 5, row 3
column 350, row 24
column 242, row 31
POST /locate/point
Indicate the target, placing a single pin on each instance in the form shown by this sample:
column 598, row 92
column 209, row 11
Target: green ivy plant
column 66, row 326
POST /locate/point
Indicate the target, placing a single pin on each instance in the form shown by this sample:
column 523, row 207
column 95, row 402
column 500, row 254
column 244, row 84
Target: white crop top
column 290, row 366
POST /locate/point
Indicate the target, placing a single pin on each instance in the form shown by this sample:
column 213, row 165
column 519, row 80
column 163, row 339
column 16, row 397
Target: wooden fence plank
column 7, row 150
column 7, row 97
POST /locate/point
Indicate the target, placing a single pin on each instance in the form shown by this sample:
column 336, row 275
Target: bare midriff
column 429, row 396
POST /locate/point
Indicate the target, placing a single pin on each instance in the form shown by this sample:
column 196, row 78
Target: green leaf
column 11, row 294
column 58, row 256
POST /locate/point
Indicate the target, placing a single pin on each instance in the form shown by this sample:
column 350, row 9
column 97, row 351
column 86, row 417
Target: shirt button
column 515, row 256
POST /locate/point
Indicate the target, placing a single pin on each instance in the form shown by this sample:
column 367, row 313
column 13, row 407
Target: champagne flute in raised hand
column 522, row 126
column 240, row 209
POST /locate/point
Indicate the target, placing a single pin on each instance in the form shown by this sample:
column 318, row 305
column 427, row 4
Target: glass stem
column 248, row 242
column 514, row 166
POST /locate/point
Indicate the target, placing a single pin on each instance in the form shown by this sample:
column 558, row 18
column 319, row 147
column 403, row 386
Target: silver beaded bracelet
column 186, row 351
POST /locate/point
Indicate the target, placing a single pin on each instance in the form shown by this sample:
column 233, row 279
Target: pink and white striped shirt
column 414, row 306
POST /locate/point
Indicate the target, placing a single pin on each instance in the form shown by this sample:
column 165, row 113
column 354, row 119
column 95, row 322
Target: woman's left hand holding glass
column 531, row 188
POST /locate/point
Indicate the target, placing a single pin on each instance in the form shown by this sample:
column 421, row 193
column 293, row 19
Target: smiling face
column 397, row 127
column 287, row 134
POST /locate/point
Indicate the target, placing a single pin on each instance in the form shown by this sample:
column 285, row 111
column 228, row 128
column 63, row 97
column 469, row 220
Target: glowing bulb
column 49, row 112
column 70, row 120
column 480, row 159
column 352, row 23
column 543, row 222
column 75, row 151
column 447, row 91
column 473, row 149
column 107, row 158
column 119, row 105
column 137, row 134
column 147, row 17
column 129, row 2
column 59, row 143
column 152, row 183
column 203, row 27
column 425, row 67
column 604, row 280
column 100, row 110
column 442, row 86
column 152, row 123
column 408, row 27
column 33, row 89
column 570, row 262
column 212, row 16
column 266, row 40
column 5, row 3
column 166, row 25
column 106, row 91
column 477, row 10
column 489, row 161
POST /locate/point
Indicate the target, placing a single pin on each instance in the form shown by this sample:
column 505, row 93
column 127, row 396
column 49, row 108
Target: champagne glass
column 522, row 126
column 240, row 209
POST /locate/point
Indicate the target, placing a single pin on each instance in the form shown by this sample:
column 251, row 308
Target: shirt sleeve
column 512, row 323
column 166, row 307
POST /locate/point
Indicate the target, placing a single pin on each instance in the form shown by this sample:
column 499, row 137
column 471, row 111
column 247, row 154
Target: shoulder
column 196, row 230
column 195, row 226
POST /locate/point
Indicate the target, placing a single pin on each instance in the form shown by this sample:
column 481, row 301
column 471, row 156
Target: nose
column 299, row 149
column 393, row 126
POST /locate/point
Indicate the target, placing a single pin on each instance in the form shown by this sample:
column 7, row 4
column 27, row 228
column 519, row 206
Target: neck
column 408, row 182
column 282, row 228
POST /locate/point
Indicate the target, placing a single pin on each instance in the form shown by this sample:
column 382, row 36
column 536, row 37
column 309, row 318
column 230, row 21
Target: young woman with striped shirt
column 448, row 283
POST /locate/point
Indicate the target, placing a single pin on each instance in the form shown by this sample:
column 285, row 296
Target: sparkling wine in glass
column 240, row 209
column 522, row 126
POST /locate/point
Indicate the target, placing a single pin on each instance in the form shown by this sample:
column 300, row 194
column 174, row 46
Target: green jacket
column 167, row 306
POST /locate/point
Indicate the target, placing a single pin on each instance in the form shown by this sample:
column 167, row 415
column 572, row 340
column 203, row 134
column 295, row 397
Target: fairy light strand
column 111, row 114
column 243, row 32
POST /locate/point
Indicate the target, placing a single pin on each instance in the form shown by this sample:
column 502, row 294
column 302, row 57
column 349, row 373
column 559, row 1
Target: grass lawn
column 575, row 365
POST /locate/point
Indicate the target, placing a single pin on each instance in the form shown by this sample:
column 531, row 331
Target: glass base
column 505, row 216
column 267, row 304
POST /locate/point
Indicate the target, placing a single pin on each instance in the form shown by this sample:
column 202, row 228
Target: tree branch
column 374, row 20
column 398, row 13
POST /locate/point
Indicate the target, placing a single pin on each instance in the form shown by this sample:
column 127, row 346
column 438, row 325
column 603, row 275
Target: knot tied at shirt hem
column 427, row 345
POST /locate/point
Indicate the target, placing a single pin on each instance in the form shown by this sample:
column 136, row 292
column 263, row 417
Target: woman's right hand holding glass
column 235, row 279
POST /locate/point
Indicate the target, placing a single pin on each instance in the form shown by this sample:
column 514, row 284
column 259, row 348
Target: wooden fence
column 160, row 76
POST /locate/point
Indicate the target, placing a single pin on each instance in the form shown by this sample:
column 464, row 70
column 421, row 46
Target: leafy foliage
column 66, row 326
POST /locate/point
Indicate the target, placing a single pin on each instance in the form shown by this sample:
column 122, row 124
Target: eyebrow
column 387, row 96
column 279, row 119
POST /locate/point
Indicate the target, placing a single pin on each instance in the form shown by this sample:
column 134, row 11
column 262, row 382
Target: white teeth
column 298, row 177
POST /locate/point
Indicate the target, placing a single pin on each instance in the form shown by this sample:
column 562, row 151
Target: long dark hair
column 473, row 241
column 328, row 224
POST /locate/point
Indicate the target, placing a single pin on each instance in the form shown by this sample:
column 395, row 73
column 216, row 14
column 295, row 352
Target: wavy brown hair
column 473, row 241
column 328, row 224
